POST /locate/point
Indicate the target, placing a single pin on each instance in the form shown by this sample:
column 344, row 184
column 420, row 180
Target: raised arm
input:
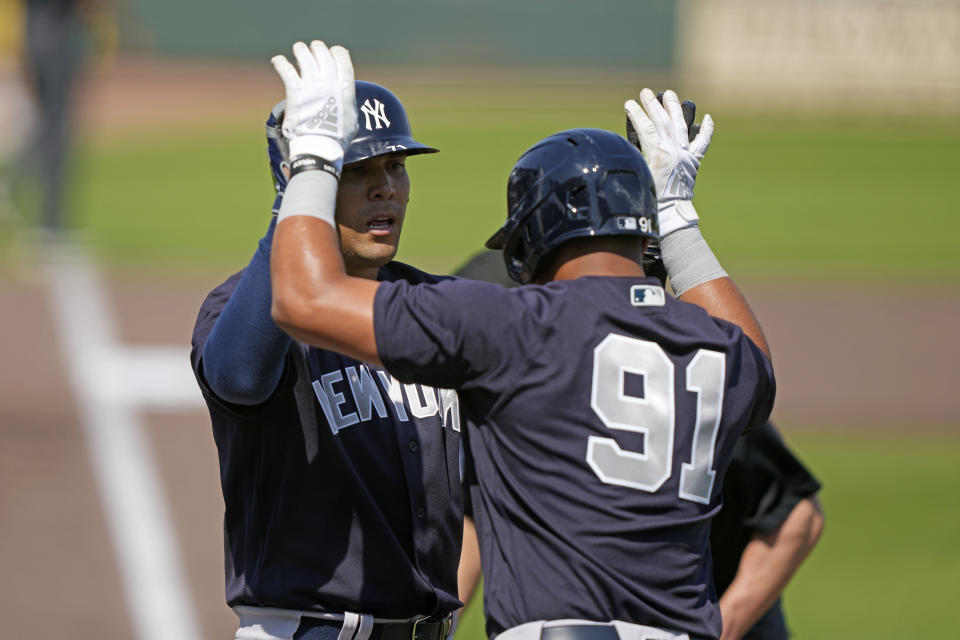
column 244, row 355
column 314, row 299
column 695, row 274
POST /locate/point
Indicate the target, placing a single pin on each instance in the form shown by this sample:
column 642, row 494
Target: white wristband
column 312, row 193
column 688, row 260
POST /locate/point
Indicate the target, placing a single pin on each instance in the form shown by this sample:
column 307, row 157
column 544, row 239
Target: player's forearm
column 314, row 299
column 243, row 358
column 469, row 571
column 766, row 566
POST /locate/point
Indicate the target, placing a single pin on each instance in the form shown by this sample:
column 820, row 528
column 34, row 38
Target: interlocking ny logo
column 378, row 113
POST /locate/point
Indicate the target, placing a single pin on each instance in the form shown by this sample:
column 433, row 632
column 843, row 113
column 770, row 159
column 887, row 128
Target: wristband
column 315, row 163
column 689, row 260
column 312, row 194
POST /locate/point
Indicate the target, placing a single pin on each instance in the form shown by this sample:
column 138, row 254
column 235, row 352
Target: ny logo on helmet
column 377, row 111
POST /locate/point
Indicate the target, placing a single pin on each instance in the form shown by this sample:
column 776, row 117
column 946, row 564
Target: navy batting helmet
column 383, row 129
column 573, row 184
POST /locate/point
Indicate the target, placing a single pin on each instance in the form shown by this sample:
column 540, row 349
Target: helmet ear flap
column 278, row 147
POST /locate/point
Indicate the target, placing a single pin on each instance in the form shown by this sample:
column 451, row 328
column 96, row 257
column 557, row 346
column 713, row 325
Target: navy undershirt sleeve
column 244, row 356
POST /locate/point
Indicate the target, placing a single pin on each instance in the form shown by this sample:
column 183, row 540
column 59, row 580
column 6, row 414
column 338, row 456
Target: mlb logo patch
column 626, row 224
column 647, row 295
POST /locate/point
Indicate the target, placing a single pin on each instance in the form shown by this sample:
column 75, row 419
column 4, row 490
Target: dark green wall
column 557, row 32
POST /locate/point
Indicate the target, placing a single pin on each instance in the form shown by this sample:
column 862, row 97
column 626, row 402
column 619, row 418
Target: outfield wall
column 621, row 33
column 885, row 53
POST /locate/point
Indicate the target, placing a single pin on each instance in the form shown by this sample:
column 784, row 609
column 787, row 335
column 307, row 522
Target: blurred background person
column 55, row 48
column 16, row 113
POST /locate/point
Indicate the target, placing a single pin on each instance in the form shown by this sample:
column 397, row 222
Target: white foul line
column 110, row 384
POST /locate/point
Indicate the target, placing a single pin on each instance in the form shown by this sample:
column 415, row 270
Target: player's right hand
column 673, row 158
column 321, row 113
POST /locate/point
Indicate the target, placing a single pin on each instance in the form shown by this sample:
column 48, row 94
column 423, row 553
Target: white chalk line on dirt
column 111, row 384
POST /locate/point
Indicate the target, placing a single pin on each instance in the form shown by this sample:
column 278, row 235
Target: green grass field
column 887, row 565
column 779, row 196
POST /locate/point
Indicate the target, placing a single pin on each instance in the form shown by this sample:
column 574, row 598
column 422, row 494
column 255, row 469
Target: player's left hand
column 689, row 108
column 673, row 158
column 321, row 112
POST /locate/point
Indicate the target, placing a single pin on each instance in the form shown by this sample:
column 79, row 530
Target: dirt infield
column 858, row 358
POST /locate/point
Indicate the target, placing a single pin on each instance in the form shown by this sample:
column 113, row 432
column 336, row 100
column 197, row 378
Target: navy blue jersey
column 342, row 491
column 601, row 414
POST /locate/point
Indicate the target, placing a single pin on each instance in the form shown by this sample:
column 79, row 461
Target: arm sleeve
column 243, row 359
column 771, row 479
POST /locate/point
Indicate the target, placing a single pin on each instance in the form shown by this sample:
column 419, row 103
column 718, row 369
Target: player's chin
column 381, row 249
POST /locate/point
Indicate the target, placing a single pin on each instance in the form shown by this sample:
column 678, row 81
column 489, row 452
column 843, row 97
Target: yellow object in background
column 11, row 31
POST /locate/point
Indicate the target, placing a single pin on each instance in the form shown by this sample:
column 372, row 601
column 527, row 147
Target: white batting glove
column 673, row 160
column 321, row 115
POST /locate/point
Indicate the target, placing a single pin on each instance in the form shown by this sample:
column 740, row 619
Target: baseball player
column 600, row 412
column 770, row 520
column 769, row 523
column 341, row 484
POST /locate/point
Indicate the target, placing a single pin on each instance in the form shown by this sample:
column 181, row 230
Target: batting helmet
column 384, row 128
column 574, row 184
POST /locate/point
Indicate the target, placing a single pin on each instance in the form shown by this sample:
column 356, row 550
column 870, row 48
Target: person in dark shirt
column 771, row 518
column 341, row 484
column 56, row 43
column 601, row 413
column 770, row 521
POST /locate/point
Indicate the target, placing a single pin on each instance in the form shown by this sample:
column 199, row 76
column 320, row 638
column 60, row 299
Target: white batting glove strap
column 320, row 146
column 672, row 158
column 676, row 214
column 321, row 113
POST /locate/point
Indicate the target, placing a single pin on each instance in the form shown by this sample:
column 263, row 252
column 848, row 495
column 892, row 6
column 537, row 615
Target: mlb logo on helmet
column 647, row 295
column 377, row 111
column 626, row 223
